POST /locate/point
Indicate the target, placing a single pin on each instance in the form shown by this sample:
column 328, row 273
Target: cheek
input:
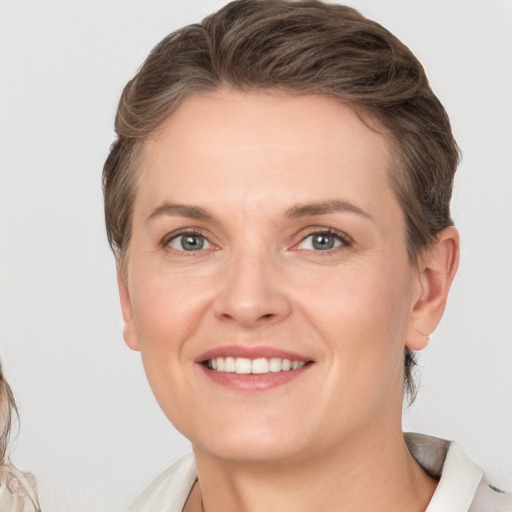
column 166, row 308
column 363, row 318
column 366, row 299
column 165, row 318
column 167, row 312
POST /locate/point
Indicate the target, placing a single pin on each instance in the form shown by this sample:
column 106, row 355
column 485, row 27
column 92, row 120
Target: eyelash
column 343, row 238
column 185, row 232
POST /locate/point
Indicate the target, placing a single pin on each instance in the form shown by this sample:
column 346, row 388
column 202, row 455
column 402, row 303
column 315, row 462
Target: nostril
column 256, row 319
column 251, row 307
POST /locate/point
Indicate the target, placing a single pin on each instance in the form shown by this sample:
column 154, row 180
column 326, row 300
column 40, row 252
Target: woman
column 16, row 491
column 278, row 203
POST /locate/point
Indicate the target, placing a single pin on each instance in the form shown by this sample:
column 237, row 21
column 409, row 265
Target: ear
column 436, row 270
column 129, row 330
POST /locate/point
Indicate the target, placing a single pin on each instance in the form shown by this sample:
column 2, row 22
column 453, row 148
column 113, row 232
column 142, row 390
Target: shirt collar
column 459, row 477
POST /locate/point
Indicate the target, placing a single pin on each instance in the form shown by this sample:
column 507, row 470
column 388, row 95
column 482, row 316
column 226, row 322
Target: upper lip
column 250, row 352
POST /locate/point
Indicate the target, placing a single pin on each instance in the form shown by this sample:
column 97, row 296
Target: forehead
column 261, row 146
column 227, row 112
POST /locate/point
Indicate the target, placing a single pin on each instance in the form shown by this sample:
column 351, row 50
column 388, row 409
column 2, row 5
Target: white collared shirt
column 461, row 487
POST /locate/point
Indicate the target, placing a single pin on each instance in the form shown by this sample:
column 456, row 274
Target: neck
column 363, row 475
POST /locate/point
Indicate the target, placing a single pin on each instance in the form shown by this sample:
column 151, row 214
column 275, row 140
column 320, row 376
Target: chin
column 259, row 451
column 250, row 442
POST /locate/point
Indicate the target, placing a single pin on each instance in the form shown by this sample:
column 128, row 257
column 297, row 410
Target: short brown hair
column 297, row 47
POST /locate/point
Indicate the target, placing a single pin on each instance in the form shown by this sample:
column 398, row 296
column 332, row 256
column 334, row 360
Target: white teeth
column 242, row 365
column 229, row 364
column 275, row 364
column 260, row 365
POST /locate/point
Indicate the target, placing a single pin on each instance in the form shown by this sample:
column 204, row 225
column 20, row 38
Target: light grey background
column 91, row 430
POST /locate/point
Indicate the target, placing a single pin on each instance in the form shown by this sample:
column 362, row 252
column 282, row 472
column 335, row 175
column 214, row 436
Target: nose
column 252, row 292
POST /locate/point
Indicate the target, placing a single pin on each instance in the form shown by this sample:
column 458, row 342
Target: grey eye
column 321, row 242
column 189, row 242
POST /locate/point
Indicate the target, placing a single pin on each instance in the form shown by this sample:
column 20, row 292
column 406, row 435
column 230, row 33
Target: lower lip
column 252, row 381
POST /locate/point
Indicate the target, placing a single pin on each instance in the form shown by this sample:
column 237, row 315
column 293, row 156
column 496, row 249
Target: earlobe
column 437, row 269
column 129, row 330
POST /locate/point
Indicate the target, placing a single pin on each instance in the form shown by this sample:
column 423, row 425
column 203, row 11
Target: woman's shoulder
column 462, row 485
column 169, row 491
column 17, row 490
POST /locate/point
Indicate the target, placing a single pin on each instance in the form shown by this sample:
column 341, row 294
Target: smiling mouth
column 257, row 366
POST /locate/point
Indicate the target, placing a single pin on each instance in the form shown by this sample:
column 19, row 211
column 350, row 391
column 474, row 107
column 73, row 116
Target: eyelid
column 346, row 240
column 186, row 231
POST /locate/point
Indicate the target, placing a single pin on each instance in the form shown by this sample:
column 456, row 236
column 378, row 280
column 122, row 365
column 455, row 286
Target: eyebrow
column 324, row 207
column 295, row 212
column 182, row 210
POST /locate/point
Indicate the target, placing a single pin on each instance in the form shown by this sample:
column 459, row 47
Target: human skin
column 329, row 436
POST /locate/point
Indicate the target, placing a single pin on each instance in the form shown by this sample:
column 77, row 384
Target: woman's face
column 266, row 235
